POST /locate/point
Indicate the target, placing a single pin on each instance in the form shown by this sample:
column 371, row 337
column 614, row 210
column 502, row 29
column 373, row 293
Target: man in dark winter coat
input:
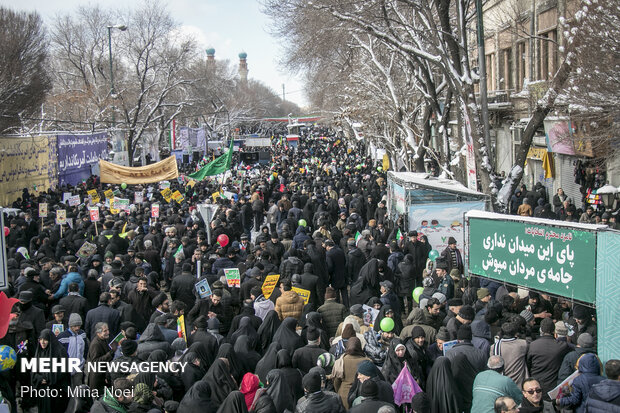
column 74, row 302
column 476, row 357
column 310, row 282
column 544, row 357
column 605, row 396
column 370, row 402
column 99, row 351
column 103, row 313
column 355, row 261
column 141, row 300
column 332, row 312
column 31, row 313
column 318, row 400
column 182, row 287
column 305, row 358
column 366, row 370
column 336, row 265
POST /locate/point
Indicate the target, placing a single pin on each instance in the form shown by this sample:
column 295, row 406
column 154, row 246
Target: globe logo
column 8, row 357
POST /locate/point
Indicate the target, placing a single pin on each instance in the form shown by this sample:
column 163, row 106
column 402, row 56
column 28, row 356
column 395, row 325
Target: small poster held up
column 86, row 250
column 155, row 211
column 57, row 329
column 94, row 196
column 109, row 194
column 448, row 345
column 138, row 197
column 370, row 315
column 74, row 200
column 270, row 284
column 94, row 214
column 116, row 341
column 233, row 278
column 61, row 216
column 43, row 210
column 203, row 289
column 122, row 204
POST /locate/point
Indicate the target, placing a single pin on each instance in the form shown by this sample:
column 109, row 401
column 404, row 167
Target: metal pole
column 484, row 106
column 112, row 93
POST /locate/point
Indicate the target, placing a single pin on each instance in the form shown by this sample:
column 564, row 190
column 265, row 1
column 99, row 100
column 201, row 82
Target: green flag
column 399, row 235
column 219, row 165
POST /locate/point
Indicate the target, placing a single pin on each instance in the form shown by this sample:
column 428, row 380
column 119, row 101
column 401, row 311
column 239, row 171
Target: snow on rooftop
column 426, row 180
column 532, row 220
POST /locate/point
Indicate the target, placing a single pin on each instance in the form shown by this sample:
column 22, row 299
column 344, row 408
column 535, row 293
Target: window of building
column 521, row 65
column 506, row 70
column 491, row 73
column 548, row 62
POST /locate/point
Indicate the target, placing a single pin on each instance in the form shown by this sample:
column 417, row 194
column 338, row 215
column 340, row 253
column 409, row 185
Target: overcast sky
column 229, row 26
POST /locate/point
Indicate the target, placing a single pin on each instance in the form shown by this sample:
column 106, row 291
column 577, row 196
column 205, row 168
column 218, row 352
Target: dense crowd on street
column 317, row 217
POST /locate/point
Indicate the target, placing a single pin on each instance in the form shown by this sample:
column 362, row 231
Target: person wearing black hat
column 389, row 297
column 545, row 356
column 275, row 248
column 33, row 284
column 368, row 401
column 59, row 316
column 476, row 357
column 465, row 316
column 582, row 323
column 129, row 355
column 305, row 358
column 452, row 255
column 316, row 399
column 162, row 306
column 30, row 312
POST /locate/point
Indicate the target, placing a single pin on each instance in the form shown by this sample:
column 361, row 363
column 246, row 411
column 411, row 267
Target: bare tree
column 24, row 81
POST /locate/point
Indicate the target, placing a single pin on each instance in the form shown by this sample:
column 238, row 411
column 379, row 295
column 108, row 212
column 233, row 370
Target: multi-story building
column 523, row 43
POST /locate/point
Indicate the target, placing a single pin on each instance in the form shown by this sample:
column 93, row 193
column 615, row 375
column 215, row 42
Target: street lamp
column 122, row 28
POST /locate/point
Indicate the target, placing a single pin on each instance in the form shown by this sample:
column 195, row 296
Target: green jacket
column 488, row 386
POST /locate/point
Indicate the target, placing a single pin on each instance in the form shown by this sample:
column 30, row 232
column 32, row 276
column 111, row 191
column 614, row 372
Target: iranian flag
column 357, row 237
column 399, row 235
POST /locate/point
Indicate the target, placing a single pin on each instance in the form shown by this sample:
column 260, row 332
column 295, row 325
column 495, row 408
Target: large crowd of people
column 316, row 215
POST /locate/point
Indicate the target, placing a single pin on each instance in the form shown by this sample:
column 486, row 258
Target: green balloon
column 387, row 324
column 302, row 222
column 124, row 185
column 417, row 293
column 433, row 255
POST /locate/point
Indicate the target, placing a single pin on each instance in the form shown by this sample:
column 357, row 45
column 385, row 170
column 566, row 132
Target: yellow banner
column 305, row 294
column 108, row 194
column 113, row 210
column 28, row 162
column 270, row 284
column 160, row 171
column 178, row 197
column 167, row 194
column 386, row 162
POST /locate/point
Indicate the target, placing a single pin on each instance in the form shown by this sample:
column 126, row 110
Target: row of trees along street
column 405, row 69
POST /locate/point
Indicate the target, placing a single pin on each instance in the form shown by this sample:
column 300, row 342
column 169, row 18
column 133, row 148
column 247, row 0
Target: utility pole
column 122, row 28
column 484, row 105
column 283, row 94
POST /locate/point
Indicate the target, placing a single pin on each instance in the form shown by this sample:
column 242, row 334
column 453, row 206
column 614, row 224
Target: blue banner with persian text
column 77, row 154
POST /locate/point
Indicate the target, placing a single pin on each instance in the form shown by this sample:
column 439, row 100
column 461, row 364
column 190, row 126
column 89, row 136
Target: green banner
column 556, row 260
